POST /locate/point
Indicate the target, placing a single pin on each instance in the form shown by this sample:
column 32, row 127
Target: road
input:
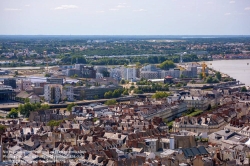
column 7, row 107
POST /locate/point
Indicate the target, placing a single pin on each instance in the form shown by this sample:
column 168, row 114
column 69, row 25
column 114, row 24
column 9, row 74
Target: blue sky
column 125, row 17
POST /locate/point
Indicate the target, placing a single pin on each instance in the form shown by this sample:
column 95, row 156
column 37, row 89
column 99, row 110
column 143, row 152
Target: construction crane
column 204, row 66
column 45, row 54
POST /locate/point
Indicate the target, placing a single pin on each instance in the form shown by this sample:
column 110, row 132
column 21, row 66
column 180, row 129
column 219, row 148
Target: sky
column 124, row 17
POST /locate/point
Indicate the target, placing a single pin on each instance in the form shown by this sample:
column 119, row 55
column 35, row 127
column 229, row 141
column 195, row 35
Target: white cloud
column 247, row 8
column 232, row 2
column 12, row 9
column 209, row 2
column 114, row 9
column 140, row 10
column 66, row 7
column 121, row 6
column 227, row 14
column 27, row 5
column 100, row 11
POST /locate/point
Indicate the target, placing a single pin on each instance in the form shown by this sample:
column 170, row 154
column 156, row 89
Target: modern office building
column 55, row 81
column 6, row 93
column 83, row 71
column 10, row 82
column 82, row 92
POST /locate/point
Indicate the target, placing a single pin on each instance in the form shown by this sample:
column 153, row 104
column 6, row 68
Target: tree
column 70, row 106
column 201, row 76
column 46, row 75
column 110, row 102
column 209, row 79
column 138, row 91
column 96, row 97
column 218, row 75
column 16, row 72
column 166, row 65
column 159, row 95
column 132, row 87
column 26, row 100
column 209, row 107
column 125, row 92
column 193, row 81
column 44, row 106
column 178, row 85
column 108, row 94
column 53, row 123
column 13, row 113
column 2, row 129
column 105, row 74
column 123, row 81
column 243, row 89
column 138, row 64
column 26, row 108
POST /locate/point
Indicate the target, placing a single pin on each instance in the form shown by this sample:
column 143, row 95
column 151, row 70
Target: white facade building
column 67, row 93
column 52, row 93
column 129, row 74
column 116, row 73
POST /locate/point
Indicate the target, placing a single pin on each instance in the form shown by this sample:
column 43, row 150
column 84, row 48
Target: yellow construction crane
column 204, row 66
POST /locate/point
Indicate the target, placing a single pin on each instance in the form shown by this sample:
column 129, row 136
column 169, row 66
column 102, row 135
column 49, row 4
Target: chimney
column 218, row 154
column 159, row 162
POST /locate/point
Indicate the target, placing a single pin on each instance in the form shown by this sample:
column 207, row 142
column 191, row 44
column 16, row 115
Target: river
column 238, row 69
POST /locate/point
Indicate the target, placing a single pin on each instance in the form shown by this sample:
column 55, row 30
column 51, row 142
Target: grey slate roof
column 191, row 152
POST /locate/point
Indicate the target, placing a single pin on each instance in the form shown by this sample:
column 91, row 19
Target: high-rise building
column 52, row 93
column 129, row 74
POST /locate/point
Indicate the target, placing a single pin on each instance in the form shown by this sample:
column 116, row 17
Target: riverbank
column 238, row 69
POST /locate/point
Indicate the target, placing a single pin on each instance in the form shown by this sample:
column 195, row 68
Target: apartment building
column 52, row 93
column 200, row 103
column 23, row 84
column 67, row 93
column 129, row 74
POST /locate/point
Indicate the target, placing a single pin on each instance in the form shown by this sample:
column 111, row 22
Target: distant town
column 122, row 101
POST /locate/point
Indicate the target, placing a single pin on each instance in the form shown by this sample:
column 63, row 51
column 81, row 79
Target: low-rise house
column 34, row 99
